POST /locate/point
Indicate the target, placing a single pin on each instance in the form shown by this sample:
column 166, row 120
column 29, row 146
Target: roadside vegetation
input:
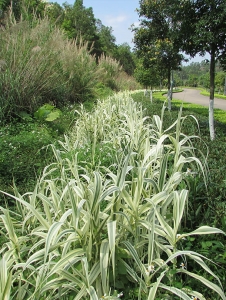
column 104, row 192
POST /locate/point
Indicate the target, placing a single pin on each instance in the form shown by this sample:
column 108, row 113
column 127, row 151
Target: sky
column 120, row 15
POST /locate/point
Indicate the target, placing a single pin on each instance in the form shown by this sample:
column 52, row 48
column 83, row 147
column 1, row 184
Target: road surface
column 194, row 96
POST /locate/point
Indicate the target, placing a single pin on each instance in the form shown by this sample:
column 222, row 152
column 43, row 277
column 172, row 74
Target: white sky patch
column 115, row 21
column 136, row 24
column 120, row 24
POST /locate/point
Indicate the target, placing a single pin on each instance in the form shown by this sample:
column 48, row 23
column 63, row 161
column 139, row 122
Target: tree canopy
column 155, row 42
column 190, row 26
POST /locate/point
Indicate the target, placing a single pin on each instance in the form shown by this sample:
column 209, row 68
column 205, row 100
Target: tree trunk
column 151, row 97
column 169, row 93
column 211, row 103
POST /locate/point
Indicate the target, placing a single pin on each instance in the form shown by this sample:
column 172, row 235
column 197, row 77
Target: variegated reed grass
column 63, row 243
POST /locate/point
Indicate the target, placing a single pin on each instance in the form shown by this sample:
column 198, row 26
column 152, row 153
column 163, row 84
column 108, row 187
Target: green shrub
column 22, row 154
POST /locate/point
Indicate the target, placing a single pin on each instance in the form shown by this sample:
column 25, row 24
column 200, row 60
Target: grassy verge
column 205, row 93
column 219, row 114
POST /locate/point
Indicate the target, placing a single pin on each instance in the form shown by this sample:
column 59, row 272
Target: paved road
column 194, row 96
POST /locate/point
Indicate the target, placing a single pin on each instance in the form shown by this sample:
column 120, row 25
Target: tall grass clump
column 81, row 73
column 92, row 230
column 39, row 65
column 114, row 76
column 30, row 71
column 111, row 68
column 126, row 82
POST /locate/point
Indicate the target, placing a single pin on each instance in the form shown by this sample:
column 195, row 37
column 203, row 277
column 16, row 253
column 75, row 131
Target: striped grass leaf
column 58, row 287
column 109, row 191
column 75, row 276
column 10, row 227
column 154, row 288
column 129, row 200
column 180, row 199
column 183, row 160
column 82, row 292
column 160, row 144
column 194, row 294
column 150, row 157
column 204, row 230
column 67, row 260
column 173, row 181
column 125, row 221
column 158, row 123
column 92, row 293
column 47, row 205
column 165, row 248
column 36, row 214
column 153, row 184
column 151, row 241
column 136, row 258
column 6, row 279
column 93, row 275
column 154, row 201
column 51, row 237
column 37, row 256
column 163, row 171
column 131, row 272
column 104, row 264
column 165, row 227
column 111, row 227
column 198, row 259
column 167, row 203
column 179, row 293
column 74, row 194
column 55, row 191
column 206, row 282
column 95, row 192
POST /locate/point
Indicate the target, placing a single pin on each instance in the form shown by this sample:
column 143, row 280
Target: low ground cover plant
column 106, row 218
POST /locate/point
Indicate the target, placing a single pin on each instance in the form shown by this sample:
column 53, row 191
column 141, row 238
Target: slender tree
column 200, row 27
column 154, row 39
